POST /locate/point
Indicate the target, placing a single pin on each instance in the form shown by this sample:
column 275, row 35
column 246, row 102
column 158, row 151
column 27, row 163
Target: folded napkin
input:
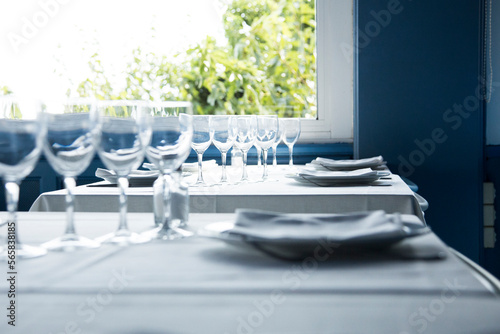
column 360, row 227
column 350, row 164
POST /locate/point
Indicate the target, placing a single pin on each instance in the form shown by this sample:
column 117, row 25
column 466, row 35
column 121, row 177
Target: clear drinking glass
column 291, row 132
column 277, row 141
column 202, row 138
column 125, row 131
column 267, row 129
column 69, row 148
column 246, row 127
column 170, row 146
column 22, row 130
column 224, row 135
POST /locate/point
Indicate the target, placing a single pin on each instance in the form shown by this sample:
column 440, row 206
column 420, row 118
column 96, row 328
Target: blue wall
column 492, row 255
column 417, row 106
column 493, row 68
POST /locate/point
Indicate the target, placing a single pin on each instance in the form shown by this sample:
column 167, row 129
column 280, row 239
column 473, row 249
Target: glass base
column 70, row 242
column 123, row 238
column 161, row 233
column 246, row 181
column 200, row 184
column 222, row 184
column 24, row 252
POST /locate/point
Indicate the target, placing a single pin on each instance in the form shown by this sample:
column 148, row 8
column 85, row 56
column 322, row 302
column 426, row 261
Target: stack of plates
column 187, row 167
column 296, row 236
column 137, row 178
column 338, row 178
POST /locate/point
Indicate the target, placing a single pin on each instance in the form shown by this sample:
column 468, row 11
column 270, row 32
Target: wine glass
column 69, row 148
column 267, row 129
column 246, row 127
column 22, row 130
column 291, row 132
column 170, row 146
column 224, row 135
column 125, row 131
column 279, row 137
column 202, row 138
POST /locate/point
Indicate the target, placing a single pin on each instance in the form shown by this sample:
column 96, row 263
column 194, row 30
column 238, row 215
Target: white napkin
column 358, row 226
column 350, row 164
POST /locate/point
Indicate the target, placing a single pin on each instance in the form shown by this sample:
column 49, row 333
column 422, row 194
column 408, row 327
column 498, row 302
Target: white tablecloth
column 278, row 194
column 200, row 285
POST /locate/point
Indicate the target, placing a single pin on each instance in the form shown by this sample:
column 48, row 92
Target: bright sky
column 34, row 33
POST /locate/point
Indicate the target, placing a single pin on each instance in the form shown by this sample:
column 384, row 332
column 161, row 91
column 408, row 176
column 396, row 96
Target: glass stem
column 12, row 195
column 167, row 219
column 70, row 184
column 244, row 176
column 275, row 162
column 264, row 158
column 200, row 172
column 224, row 175
column 290, row 151
column 259, row 154
column 123, row 184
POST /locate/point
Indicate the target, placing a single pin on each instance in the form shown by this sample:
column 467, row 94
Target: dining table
column 279, row 192
column 204, row 284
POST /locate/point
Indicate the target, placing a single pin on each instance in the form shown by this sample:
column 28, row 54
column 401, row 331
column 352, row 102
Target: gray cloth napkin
column 350, row 164
column 360, row 226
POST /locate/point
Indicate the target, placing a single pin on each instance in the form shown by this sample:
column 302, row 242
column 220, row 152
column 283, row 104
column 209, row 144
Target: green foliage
column 14, row 112
column 117, row 111
column 268, row 65
column 98, row 85
column 4, row 90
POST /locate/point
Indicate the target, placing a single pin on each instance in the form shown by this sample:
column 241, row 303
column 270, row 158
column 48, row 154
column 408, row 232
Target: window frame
column 335, row 74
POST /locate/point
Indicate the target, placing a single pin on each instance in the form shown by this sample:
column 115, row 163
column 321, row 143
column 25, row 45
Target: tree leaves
column 268, row 64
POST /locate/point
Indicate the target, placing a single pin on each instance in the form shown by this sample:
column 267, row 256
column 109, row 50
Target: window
column 134, row 49
column 335, row 74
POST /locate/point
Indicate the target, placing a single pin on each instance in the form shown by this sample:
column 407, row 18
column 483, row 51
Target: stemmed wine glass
column 279, row 137
column 267, row 129
column 202, row 138
column 246, row 127
column 291, row 132
column 224, row 135
column 170, row 146
column 69, row 148
column 125, row 131
column 22, row 130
